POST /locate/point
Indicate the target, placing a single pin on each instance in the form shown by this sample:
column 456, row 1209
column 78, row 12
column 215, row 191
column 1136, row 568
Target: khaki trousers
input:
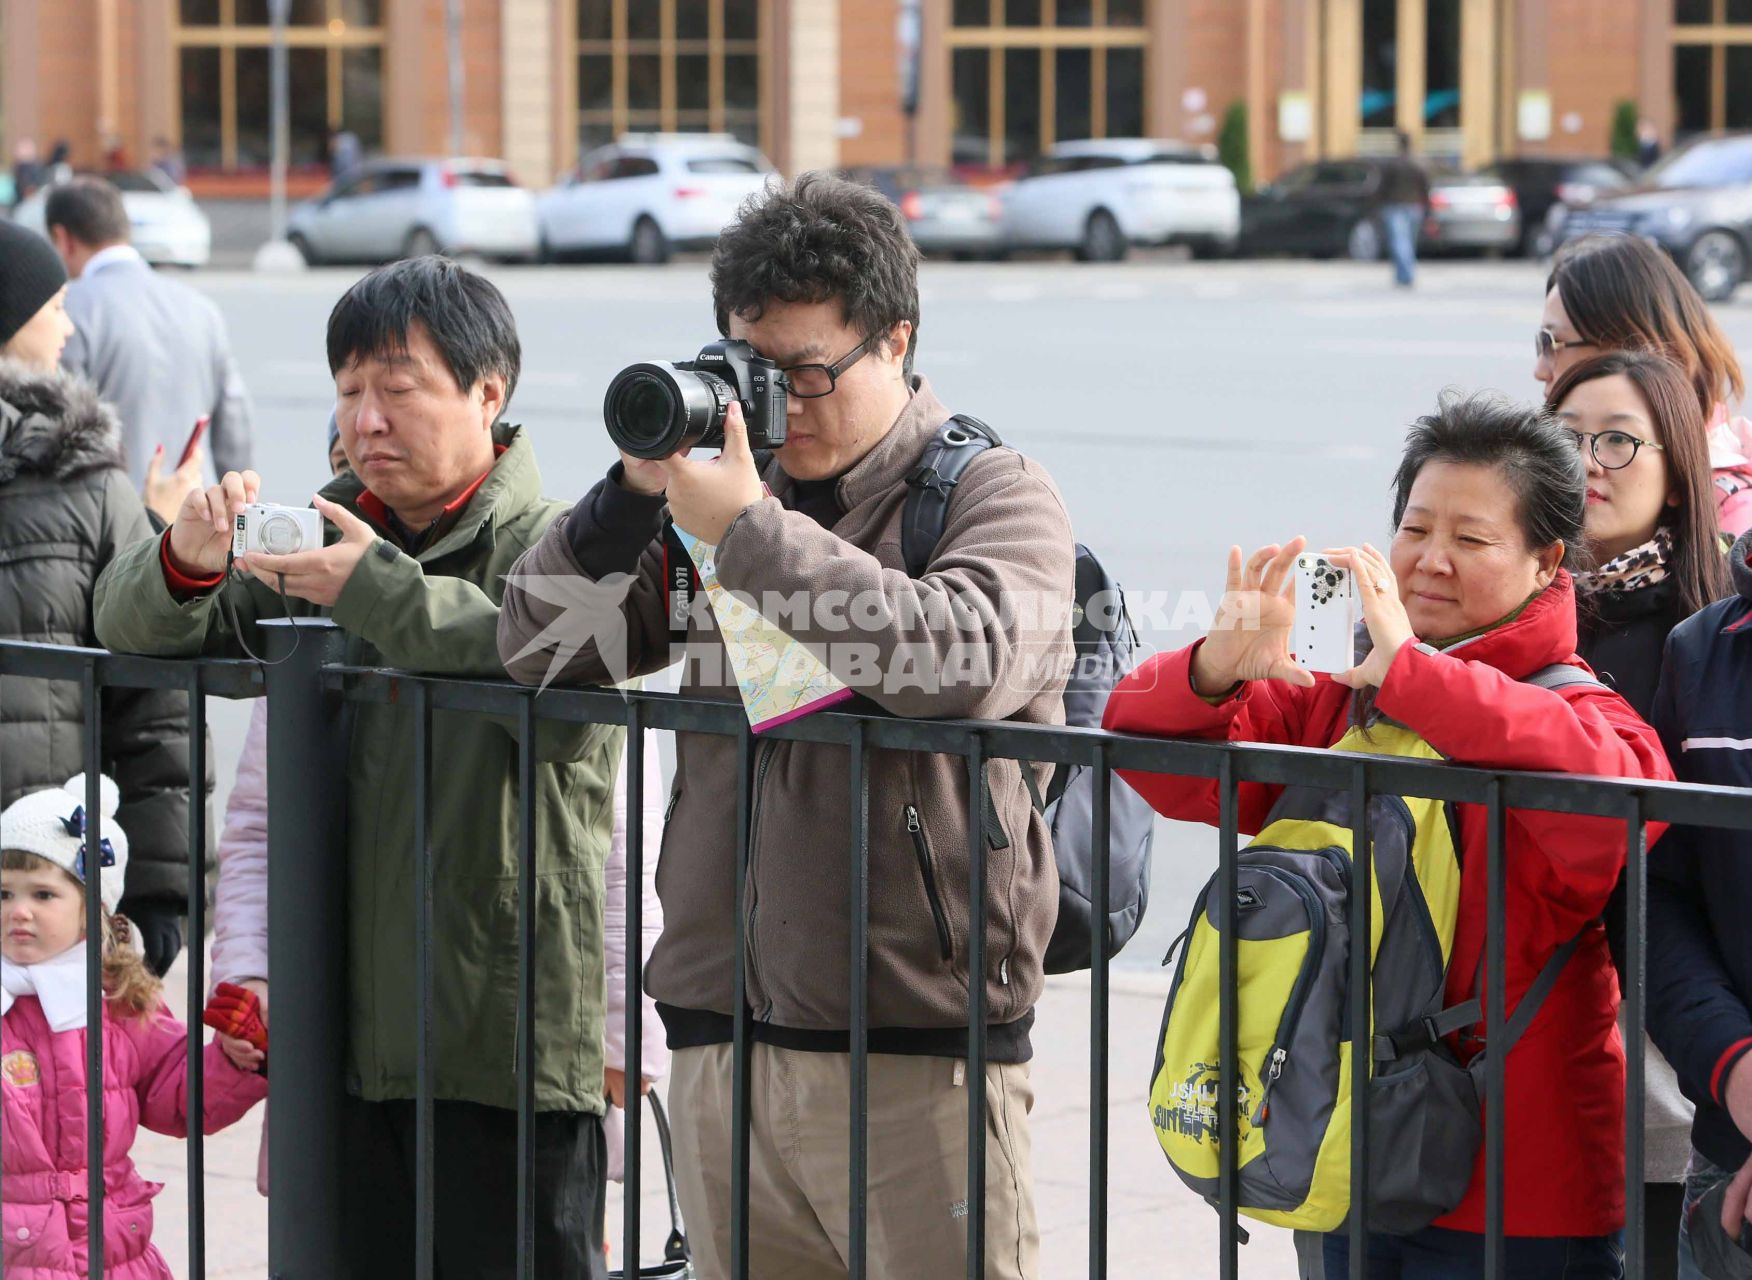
column 799, row 1157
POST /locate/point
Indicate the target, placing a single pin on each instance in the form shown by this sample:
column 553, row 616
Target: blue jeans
column 1701, row 1177
column 1437, row 1254
column 1402, row 222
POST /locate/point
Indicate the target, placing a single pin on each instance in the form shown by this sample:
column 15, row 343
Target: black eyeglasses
column 1613, row 450
column 1545, row 344
column 812, row 381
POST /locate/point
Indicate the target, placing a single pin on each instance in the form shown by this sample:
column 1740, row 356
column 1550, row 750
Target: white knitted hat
column 51, row 824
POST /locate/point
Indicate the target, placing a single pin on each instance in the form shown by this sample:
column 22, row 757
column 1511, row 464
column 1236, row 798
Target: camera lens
column 281, row 535
column 653, row 410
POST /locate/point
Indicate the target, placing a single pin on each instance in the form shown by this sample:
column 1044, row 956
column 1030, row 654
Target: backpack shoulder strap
column 1560, row 675
column 931, row 482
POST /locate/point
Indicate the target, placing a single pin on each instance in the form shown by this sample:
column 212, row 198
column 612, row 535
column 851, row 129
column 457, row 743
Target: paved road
column 1180, row 406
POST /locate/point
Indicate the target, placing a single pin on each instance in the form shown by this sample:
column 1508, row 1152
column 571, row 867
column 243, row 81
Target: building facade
column 984, row 85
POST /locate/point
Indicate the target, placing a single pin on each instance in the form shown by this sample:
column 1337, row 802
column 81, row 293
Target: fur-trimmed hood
column 53, row 424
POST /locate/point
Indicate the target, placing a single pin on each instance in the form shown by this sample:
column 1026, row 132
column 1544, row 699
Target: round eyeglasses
column 1613, row 450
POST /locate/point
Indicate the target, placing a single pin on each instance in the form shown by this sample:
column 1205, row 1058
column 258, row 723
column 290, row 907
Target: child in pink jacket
column 43, row 1170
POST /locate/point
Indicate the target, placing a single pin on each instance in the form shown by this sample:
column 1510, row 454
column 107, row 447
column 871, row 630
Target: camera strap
column 680, row 582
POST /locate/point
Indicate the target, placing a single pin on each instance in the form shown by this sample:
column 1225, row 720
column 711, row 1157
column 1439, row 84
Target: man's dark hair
column 819, row 239
column 90, row 209
column 467, row 317
column 1535, row 453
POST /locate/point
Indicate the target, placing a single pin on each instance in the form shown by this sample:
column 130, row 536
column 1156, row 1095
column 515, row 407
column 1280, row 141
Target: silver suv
column 388, row 209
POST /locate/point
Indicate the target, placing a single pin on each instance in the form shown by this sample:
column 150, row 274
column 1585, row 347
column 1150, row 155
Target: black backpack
column 1105, row 643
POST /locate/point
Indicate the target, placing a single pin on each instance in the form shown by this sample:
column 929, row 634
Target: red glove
column 234, row 1011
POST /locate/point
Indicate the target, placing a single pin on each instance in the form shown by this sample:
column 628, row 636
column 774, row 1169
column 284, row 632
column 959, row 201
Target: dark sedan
column 1696, row 204
column 1539, row 182
column 1328, row 209
column 945, row 216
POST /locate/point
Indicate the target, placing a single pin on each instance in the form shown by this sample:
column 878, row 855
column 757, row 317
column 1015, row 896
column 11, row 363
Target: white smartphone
column 1326, row 616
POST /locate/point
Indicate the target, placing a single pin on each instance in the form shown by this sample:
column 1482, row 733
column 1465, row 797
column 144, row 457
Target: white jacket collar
column 58, row 984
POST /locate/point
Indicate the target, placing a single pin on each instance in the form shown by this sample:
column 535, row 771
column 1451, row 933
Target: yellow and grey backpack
column 1292, row 1114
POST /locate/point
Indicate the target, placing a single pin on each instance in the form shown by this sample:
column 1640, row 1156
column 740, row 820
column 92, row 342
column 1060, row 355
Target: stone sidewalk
column 1155, row 1227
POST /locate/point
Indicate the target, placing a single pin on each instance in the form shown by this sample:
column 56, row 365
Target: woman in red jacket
column 1471, row 598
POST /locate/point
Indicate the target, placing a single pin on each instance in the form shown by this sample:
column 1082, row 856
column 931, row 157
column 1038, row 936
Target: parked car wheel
column 309, row 255
column 1208, row 250
column 648, row 247
column 1715, row 265
column 1365, row 242
column 1103, row 241
column 421, row 242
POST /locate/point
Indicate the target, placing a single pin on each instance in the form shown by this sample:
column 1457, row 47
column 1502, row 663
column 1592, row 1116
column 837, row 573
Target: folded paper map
column 779, row 678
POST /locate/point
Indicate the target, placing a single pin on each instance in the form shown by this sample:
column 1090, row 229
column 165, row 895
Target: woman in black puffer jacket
column 66, row 508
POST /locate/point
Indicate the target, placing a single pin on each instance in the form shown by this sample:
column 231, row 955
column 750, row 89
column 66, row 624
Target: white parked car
column 650, row 194
column 389, row 209
column 167, row 226
column 1100, row 197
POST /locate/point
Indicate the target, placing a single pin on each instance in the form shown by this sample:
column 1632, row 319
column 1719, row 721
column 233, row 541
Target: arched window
column 334, row 68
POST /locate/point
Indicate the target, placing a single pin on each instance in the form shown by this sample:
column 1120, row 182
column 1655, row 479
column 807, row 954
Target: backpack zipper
column 916, row 829
column 1280, row 1051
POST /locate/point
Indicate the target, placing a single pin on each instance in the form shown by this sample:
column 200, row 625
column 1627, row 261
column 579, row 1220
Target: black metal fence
column 310, row 691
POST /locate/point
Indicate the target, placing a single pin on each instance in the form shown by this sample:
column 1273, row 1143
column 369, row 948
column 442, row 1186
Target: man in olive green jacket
column 441, row 502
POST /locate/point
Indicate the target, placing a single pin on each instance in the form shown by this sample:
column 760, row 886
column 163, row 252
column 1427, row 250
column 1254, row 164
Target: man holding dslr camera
column 819, row 280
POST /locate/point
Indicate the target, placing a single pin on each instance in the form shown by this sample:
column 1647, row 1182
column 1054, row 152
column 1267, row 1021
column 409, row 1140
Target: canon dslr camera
column 658, row 408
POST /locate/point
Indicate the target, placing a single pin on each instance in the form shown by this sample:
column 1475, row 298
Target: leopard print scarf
column 1637, row 568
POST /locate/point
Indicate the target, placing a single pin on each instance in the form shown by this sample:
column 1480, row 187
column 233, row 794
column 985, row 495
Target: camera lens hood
column 655, row 409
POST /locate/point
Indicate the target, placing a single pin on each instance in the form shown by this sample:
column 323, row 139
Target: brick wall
column 1593, row 62
column 870, row 83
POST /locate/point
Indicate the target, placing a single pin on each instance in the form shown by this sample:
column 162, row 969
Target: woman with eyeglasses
column 1651, row 528
column 1610, row 293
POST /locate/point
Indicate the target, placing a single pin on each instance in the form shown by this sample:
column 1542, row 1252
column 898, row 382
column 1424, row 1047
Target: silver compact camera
column 275, row 530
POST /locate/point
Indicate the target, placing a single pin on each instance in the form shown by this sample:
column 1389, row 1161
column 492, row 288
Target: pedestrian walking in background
column 1611, row 293
column 1405, row 199
column 167, row 160
column 27, row 171
column 1470, row 601
column 66, row 509
column 153, row 347
column 1651, row 526
column 45, row 860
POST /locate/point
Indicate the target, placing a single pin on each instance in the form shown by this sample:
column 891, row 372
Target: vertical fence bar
column 1228, row 1025
column 1362, row 940
column 634, row 1061
column 1495, row 946
column 1099, row 836
column 976, row 1006
column 741, row 1045
column 1635, row 1015
column 197, row 988
column 307, row 949
column 526, row 989
column 858, row 866
column 90, row 691
column 424, row 1136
